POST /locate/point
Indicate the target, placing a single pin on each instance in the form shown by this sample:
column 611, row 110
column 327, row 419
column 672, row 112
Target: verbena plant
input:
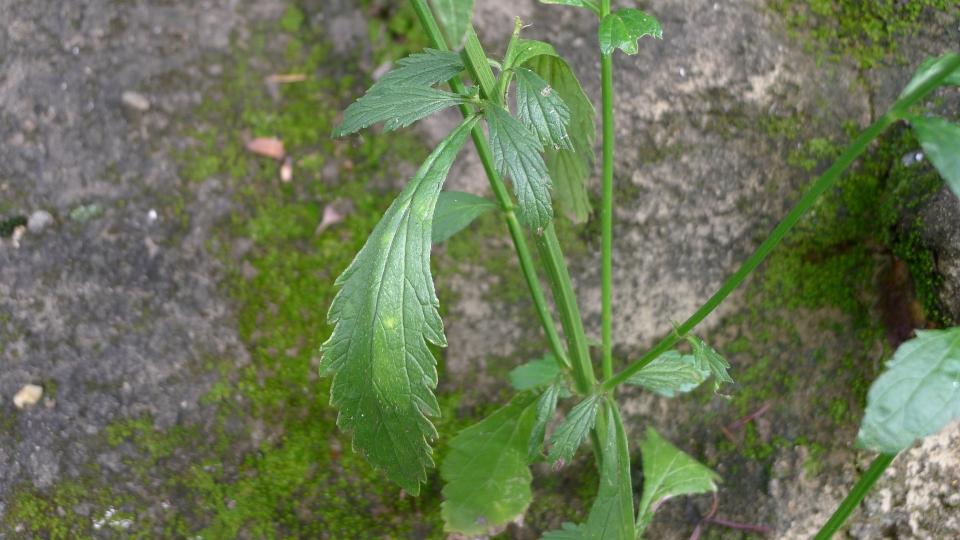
column 386, row 310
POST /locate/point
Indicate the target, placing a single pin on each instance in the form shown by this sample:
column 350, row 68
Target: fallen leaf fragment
column 330, row 217
column 286, row 170
column 29, row 395
column 271, row 147
column 292, row 77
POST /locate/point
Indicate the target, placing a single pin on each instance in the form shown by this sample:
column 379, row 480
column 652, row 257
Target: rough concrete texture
column 119, row 313
column 940, row 216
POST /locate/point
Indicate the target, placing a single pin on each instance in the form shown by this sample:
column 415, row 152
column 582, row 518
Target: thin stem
column 856, row 495
column 500, row 192
column 606, row 211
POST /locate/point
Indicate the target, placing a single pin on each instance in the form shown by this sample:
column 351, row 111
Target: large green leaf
column 546, row 406
column 423, row 69
column 611, row 517
column 517, row 150
column 941, row 144
column 707, row 358
column 400, row 107
column 534, row 373
column 488, row 482
column 668, row 374
column 524, row 50
column 456, row 210
column 918, row 394
column 384, row 312
column 567, row 437
column 668, row 472
column 623, row 28
column 542, row 110
column 569, row 170
column 569, row 531
column 930, row 68
column 455, row 17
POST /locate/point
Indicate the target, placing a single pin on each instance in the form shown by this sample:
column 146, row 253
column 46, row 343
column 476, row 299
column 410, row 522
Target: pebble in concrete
column 39, row 221
column 135, row 101
column 27, row 396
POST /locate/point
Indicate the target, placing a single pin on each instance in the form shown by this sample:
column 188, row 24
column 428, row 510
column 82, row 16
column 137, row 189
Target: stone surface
column 39, row 221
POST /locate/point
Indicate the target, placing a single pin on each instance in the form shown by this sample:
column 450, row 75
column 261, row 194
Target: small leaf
column 611, row 517
column 525, row 49
column 707, row 358
column 385, row 311
column 668, row 374
column 568, row 435
column 455, row 16
column 542, row 110
column 399, row 107
column 517, row 150
column 456, row 210
column 941, row 144
column 534, row 373
column 424, row 69
column 930, row 68
column 546, row 406
column 569, row 170
column 569, row 531
column 918, row 394
column 589, row 4
column 668, row 472
column 488, row 482
column 623, row 28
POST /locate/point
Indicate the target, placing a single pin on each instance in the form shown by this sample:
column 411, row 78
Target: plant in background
column 386, row 310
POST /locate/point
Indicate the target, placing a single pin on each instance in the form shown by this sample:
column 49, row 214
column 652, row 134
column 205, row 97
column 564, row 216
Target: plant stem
column 429, row 24
column 559, row 279
column 856, row 495
column 606, row 212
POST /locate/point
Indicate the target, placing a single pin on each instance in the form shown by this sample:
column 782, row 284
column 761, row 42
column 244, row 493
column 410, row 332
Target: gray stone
column 39, row 221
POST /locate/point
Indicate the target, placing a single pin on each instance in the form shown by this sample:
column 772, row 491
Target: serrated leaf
column 400, row 107
column 930, row 68
column 542, row 110
column 668, row 374
column 456, row 210
column 918, row 394
column 623, row 28
column 707, row 358
column 546, row 406
column 611, row 517
column 524, row 50
column 569, row 170
column 517, row 150
column 384, row 313
column 668, row 472
column 567, row 437
column 570, row 531
column 534, row 373
column 488, row 482
column 941, row 145
column 423, row 69
column 455, row 16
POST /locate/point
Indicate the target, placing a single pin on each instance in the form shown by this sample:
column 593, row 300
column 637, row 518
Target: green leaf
column 423, row 69
column 707, row 358
column 488, row 482
column 668, row 472
column 534, row 373
column 623, row 28
column 456, row 210
column 546, row 406
column 569, row 531
column 455, row 16
column 569, row 170
column 568, row 435
column 517, row 150
column 611, row 517
column 941, row 144
column 542, row 110
column 399, row 107
column 385, row 311
column 918, row 394
column 930, row 68
column 589, row 4
column 668, row 374
column 525, row 49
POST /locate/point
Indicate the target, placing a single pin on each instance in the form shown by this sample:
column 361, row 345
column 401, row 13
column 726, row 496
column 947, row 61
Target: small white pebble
column 135, row 100
column 28, row 395
column 683, row 72
column 152, row 215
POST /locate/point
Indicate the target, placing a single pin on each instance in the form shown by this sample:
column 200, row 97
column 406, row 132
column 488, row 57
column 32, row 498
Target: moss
column 8, row 225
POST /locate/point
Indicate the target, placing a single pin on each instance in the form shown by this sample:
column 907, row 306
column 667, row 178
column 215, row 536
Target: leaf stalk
column 606, row 211
column 856, row 495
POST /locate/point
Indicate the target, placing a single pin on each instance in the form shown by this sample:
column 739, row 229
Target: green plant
column 386, row 311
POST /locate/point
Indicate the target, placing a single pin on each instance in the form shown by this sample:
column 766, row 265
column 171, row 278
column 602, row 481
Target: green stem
column 559, row 279
column 500, row 191
column 856, row 495
column 606, row 212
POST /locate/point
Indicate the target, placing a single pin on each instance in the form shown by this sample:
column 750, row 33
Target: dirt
column 121, row 317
